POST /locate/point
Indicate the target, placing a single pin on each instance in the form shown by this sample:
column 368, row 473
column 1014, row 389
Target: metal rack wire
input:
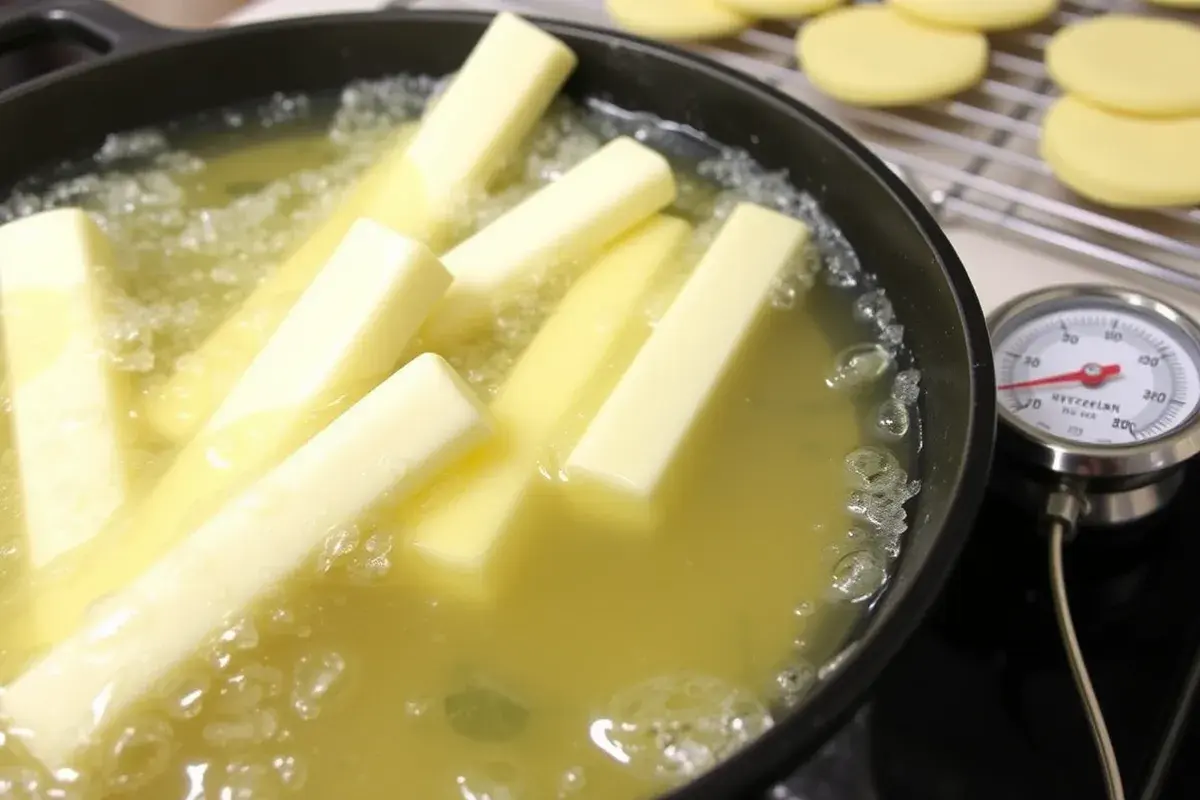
column 973, row 157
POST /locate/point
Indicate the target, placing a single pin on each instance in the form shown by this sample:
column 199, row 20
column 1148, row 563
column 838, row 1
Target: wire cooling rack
column 974, row 158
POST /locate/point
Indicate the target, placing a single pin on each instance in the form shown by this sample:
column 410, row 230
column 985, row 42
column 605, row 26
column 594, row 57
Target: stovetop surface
column 981, row 704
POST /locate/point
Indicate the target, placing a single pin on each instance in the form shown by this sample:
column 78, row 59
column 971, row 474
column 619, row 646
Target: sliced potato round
column 874, row 56
column 678, row 19
column 1123, row 161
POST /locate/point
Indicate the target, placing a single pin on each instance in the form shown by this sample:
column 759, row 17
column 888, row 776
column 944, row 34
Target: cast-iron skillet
column 143, row 75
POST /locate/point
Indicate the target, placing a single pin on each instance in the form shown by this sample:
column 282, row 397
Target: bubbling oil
column 613, row 668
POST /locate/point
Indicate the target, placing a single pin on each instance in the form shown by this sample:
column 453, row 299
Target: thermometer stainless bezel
column 1068, row 457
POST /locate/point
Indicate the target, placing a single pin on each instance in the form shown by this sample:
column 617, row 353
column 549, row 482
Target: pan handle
column 40, row 36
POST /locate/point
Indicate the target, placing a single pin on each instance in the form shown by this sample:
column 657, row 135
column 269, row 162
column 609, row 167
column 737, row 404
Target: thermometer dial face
column 1097, row 370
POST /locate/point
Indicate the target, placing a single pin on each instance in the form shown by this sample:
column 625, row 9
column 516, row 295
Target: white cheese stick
column 396, row 438
column 418, row 189
column 67, row 416
column 602, row 197
column 619, row 465
column 341, row 338
column 462, row 534
column 346, row 330
column 477, row 124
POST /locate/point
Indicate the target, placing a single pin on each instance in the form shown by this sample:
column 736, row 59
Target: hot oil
column 613, row 665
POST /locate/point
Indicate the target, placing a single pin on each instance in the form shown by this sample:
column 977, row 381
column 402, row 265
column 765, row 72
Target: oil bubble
column 906, row 388
column 131, row 145
column 858, row 576
column 372, row 108
column 888, row 543
column 496, row 781
column 873, row 470
column 883, row 513
column 858, row 366
column 890, row 336
column 419, row 707
column 858, row 534
column 793, row 683
column 841, row 273
column 891, row 419
column 675, row 727
column 793, row 281
column 283, row 108
column 248, row 781
column 354, row 556
column 238, row 695
column 290, row 771
column 315, row 677
column 241, row 635
column 187, row 696
column 137, row 754
column 784, row 293
column 874, row 308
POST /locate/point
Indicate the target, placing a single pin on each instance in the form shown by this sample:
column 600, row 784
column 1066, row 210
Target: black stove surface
column 981, row 706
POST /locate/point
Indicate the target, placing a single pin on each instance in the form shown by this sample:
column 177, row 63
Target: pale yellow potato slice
column 781, row 9
column 978, row 15
column 1122, row 161
column 678, row 19
column 1130, row 64
column 874, row 56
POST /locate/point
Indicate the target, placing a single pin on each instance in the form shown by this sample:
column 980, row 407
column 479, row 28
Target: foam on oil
column 614, row 668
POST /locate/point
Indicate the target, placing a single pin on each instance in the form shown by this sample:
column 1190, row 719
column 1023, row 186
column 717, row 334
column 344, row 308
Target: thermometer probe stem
column 1062, row 512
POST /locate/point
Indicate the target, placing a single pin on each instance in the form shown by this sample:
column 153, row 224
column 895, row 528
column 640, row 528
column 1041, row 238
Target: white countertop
column 1000, row 268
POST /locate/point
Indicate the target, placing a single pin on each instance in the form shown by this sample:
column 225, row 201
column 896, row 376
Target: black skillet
column 136, row 74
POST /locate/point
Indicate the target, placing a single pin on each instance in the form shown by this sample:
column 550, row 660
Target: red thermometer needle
column 1090, row 375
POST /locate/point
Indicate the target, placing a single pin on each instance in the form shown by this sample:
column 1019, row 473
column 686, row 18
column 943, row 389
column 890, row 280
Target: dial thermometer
column 1099, row 388
column 1099, row 407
